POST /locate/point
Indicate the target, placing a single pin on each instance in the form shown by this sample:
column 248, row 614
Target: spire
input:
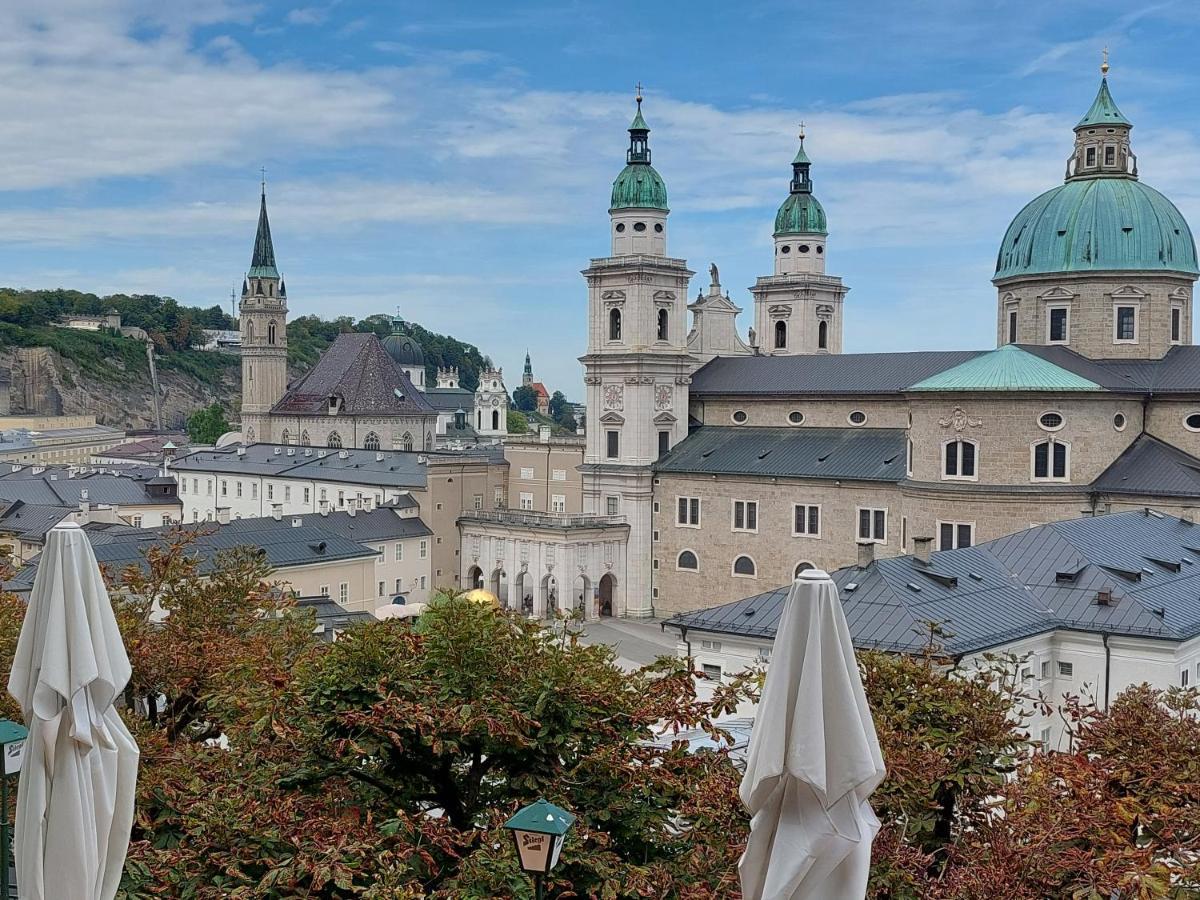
column 262, row 263
column 639, row 131
column 1102, row 147
column 1104, row 110
column 528, row 363
column 801, row 182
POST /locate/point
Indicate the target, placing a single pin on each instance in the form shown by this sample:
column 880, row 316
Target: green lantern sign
column 539, row 831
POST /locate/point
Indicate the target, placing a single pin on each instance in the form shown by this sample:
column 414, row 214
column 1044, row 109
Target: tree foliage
column 205, row 425
column 525, row 398
column 517, row 422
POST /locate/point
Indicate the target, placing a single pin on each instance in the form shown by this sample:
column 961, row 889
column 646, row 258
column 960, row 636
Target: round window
column 658, row 227
column 1119, row 421
column 858, row 417
column 820, row 249
column 803, row 248
column 1192, row 422
column 639, row 226
column 739, row 416
column 786, row 248
column 796, row 417
column 1051, row 421
column 620, row 227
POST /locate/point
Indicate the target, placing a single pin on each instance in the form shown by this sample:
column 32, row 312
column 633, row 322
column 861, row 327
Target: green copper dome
column 1097, row 225
column 639, row 186
column 800, row 214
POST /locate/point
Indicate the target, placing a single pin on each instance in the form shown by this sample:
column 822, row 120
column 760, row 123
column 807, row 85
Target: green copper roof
column 801, row 156
column 800, row 214
column 1104, row 111
column 638, row 123
column 543, row 817
column 1007, row 369
column 262, row 263
column 639, row 186
column 1094, row 225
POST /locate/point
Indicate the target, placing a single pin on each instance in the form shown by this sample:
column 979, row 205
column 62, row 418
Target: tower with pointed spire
column 527, row 375
column 263, row 315
column 798, row 308
column 637, row 366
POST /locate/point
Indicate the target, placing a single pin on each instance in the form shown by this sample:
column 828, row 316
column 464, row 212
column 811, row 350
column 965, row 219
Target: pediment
column 613, row 295
column 664, row 418
column 664, row 295
column 1056, row 293
column 1180, row 293
column 612, row 418
column 1129, row 292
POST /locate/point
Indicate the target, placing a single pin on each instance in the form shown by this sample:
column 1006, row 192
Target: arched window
column 371, row 441
column 271, row 332
column 305, row 440
column 614, row 324
column 250, row 331
column 802, row 567
column 495, row 420
column 406, row 441
column 334, row 440
column 1051, row 460
column 745, row 567
column 958, row 458
column 286, row 437
column 687, row 560
column 823, row 335
column 428, row 441
column 662, row 324
column 780, row 335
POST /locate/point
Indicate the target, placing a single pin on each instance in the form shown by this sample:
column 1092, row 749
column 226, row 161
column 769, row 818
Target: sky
column 454, row 159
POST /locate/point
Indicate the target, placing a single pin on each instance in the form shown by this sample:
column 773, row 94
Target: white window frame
column 344, row 592
column 558, row 475
column 679, row 568
column 1066, row 307
column 958, row 459
column 955, row 525
column 558, row 503
column 1070, row 673
column 1012, row 324
column 908, row 460
column 1050, row 476
column 815, row 535
column 1137, row 322
column 1186, row 416
column 527, row 473
column 733, row 566
column 746, row 504
column 399, row 557
column 612, row 505
column 1062, row 420
column 858, row 511
column 423, row 549
column 699, row 512
column 525, row 500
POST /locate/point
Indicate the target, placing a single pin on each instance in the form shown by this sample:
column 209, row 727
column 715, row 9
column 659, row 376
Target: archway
column 522, row 594
column 581, row 596
column 550, row 601
column 500, row 586
column 608, row 586
column 474, row 578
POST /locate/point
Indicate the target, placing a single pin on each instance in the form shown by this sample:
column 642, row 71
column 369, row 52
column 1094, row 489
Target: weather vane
column 1104, row 64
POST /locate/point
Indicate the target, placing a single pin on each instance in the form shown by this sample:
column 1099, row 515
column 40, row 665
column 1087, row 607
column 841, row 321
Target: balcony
column 528, row 518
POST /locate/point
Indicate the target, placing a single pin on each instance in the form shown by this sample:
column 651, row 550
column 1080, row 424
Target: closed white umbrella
column 76, row 790
column 814, row 759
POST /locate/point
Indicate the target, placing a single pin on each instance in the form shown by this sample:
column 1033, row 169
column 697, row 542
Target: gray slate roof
column 116, row 490
column 867, row 454
column 380, row 524
column 891, row 373
column 396, row 468
column 1150, row 467
column 450, row 399
column 358, row 369
column 31, row 521
column 1037, row 580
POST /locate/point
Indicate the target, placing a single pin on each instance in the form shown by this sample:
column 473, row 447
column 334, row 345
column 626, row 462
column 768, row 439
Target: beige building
column 543, row 473
column 55, row 440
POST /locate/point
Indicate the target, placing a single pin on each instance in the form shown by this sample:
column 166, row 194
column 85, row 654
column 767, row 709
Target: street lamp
column 539, row 831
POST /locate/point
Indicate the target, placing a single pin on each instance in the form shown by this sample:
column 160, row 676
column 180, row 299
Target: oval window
column 639, row 226
column 658, row 227
column 1192, row 422
column 739, row 416
column 1051, row 421
column 858, row 417
column 803, row 248
column 796, row 417
column 820, row 249
column 620, row 227
column 786, row 248
column 1119, row 421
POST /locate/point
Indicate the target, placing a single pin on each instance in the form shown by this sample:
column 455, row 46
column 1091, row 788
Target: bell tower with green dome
column 1102, row 264
column 637, row 366
column 263, row 313
column 798, row 308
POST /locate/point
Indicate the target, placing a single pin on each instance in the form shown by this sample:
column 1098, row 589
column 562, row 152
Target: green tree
column 205, row 425
column 517, row 422
column 525, row 398
column 559, row 406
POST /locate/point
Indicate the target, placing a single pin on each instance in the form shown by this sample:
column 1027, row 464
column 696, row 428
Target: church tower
column 263, row 315
column 637, row 365
column 798, row 309
column 527, row 375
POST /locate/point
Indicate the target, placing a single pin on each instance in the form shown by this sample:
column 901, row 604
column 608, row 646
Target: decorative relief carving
column 683, row 379
column 824, row 311
column 592, row 379
column 959, row 420
column 639, row 379
column 614, row 396
column 663, row 396
column 613, row 295
column 779, row 311
column 664, row 295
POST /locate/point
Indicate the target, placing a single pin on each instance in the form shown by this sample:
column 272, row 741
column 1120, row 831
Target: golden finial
column 802, row 132
column 639, row 93
column 1104, row 64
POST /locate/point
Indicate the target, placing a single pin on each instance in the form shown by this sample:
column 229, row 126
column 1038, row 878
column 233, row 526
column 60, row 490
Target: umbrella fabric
column 76, row 790
column 814, row 759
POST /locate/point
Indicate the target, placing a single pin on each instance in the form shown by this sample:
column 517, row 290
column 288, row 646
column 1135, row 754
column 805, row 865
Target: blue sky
column 455, row 159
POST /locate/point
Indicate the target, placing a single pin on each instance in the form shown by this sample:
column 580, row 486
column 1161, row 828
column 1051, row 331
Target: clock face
column 495, row 401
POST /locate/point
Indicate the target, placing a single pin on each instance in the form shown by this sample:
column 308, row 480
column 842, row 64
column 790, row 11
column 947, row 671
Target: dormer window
column 1110, row 155
column 335, row 405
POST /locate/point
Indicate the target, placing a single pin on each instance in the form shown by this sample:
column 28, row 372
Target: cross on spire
column 263, row 172
column 639, row 93
column 802, row 131
column 1104, row 64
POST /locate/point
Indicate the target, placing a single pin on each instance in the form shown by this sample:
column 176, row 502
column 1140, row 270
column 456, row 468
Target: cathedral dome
column 403, row 349
column 639, row 186
column 800, row 214
column 1098, row 224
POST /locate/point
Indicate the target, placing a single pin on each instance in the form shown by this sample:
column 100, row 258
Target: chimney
column 351, row 508
column 1105, row 598
column 544, row 434
column 241, row 451
column 866, row 553
column 223, row 515
column 297, row 521
column 277, row 512
column 85, row 512
column 83, row 495
column 324, row 507
column 921, row 549
column 343, row 454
